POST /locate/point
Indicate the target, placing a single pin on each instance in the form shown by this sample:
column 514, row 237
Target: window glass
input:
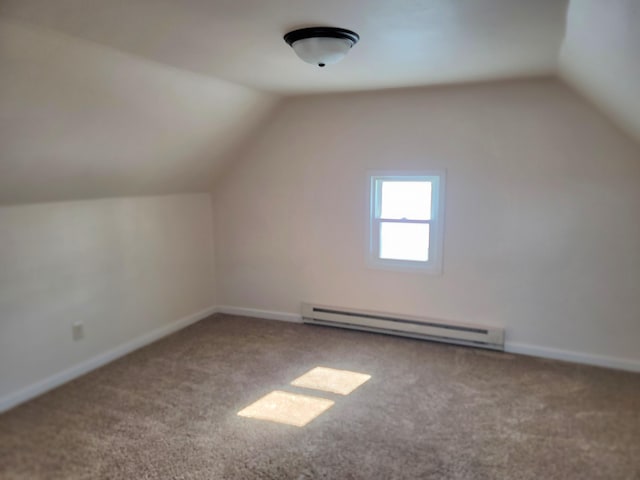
column 404, row 241
column 405, row 199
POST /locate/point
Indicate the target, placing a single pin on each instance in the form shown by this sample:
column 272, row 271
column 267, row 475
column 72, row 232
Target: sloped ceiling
column 600, row 57
column 80, row 121
column 110, row 98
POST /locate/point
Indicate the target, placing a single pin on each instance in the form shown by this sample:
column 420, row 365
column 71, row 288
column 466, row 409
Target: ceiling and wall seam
column 87, row 121
column 217, row 119
column 599, row 58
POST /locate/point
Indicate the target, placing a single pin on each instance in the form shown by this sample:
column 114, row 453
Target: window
column 406, row 221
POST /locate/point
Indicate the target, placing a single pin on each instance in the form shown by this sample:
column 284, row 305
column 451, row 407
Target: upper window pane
column 405, row 199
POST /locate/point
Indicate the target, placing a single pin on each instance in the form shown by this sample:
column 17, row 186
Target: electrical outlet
column 77, row 330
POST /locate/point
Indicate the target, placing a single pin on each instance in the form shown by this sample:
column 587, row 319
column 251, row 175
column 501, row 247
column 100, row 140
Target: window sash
column 377, row 192
column 376, row 238
column 401, row 220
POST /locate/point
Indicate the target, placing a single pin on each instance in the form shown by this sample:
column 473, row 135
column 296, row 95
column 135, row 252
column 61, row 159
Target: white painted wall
column 600, row 56
column 543, row 201
column 129, row 268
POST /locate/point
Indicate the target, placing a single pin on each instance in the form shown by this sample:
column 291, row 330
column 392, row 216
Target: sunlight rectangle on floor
column 342, row 382
column 288, row 408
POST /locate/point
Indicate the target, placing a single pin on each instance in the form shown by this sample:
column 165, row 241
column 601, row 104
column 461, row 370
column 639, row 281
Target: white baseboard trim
column 49, row 383
column 267, row 314
column 57, row 379
column 510, row 347
column 618, row 363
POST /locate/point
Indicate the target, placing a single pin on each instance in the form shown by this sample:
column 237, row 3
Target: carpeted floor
column 429, row 411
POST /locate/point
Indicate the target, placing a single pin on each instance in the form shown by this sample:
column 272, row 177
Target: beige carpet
column 429, row 411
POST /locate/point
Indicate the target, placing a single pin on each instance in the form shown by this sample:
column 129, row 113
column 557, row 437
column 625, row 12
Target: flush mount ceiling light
column 321, row 45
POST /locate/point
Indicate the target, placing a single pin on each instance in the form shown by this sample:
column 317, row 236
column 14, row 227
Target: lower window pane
column 404, row 241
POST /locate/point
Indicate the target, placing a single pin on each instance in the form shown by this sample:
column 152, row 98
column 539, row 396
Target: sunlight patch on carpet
column 288, row 408
column 342, row 382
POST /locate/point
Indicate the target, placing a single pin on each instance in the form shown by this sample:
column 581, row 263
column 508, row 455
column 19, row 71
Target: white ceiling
column 129, row 97
column 404, row 42
column 601, row 57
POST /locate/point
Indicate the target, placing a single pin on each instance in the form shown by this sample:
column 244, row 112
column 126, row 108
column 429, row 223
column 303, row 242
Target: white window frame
column 436, row 224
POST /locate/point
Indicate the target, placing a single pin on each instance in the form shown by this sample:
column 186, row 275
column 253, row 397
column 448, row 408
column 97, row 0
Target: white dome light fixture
column 321, row 45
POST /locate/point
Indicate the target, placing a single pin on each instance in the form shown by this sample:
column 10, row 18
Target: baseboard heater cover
column 405, row 325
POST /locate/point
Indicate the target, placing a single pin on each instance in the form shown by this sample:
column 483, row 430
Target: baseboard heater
column 405, row 325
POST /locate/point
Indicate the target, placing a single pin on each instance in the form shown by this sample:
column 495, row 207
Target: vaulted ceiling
column 404, row 42
column 102, row 98
column 600, row 56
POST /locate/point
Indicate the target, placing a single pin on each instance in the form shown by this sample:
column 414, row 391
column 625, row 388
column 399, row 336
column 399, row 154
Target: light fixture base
column 321, row 32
